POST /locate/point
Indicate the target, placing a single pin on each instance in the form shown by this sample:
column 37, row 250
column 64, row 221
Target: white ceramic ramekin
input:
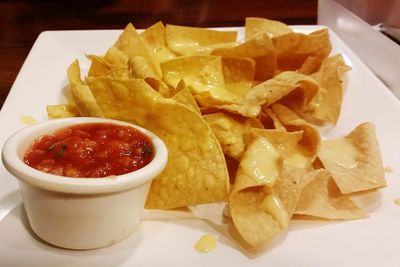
column 80, row 213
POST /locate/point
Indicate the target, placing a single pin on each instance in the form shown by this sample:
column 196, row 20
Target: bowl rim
column 16, row 145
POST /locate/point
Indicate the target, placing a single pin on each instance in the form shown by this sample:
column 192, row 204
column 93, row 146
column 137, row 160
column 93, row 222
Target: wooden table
column 21, row 21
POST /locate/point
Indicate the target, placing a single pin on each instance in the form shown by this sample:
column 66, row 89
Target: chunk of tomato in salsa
column 91, row 150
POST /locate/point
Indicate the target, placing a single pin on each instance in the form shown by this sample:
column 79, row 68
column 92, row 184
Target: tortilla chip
column 258, row 171
column 256, row 226
column 310, row 141
column 310, row 65
column 122, row 73
column 185, row 40
column 130, row 44
column 203, row 74
column 80, row 93
column 322, row 198
column 229, row 132
column 289, row 147
column 354, row 161
column 116, row 57
column 327, row 103
column 154, row 39
column 184, row 96
column 85, row 102
column 196, row 171
column 74, row 73
column 260, row 49
column 264, row 94
column 139, row 68
column 265, row 192
column 293, row 49
column 273, row 122
column 289, row 186
column 255, row 26
column 116, row 98
column 61, row 111
column 238, row 74
column 98, row 66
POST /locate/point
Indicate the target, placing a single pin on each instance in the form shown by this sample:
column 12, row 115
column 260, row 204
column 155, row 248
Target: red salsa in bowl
column 91, row 150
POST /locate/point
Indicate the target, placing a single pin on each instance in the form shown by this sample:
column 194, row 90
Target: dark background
column 22, row 21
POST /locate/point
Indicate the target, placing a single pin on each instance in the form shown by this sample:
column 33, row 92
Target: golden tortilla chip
column 289, row 186
column 293, row 49
column 289, row 146
column 185, row 40
column 184, row 96
column 327, row 103
column 310, row 65
column 81, row 95
column 297, row 93
column 260, row 49
column 354, row 161
column 298, row 89
column 116, row 98
column 116, row 57
column 203, row 74
column 85, row 102
column 269, row 119
column 98, row 66
column 139, row 68
column 61, row 111
column 122, row 73
column 256, row 226
column 74, row 73
column 238, row 74
column 130, row 44
column 230, row 132
column 196, row 171
column 255, row 26
column 154, row 39
column 258, row 168
column 310, row 141
column 322, row 198
column 265, row 192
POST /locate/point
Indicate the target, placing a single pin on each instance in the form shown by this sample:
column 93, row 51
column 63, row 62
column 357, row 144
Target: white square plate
column 167, row 238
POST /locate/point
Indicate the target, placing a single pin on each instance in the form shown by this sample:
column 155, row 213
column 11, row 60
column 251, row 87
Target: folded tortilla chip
column 293, row 49
column 238, row 74
column 294, row 89
column 81, row 94
column 328, row 101
column 154, row 38
column 185, row 40
column 183, row 95
column 288, row 145
column 310, row 141
column 265, row 192
column 260, row 49
column 130, row 44
column 255, row 26
column 322, row 198
column 354, row 161
column 203, row 73
column 230, row 132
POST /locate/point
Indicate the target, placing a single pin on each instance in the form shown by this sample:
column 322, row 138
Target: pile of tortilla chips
column 237, row 117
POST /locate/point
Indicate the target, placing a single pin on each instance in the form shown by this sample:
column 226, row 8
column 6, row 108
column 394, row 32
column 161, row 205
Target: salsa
column 90, row 150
